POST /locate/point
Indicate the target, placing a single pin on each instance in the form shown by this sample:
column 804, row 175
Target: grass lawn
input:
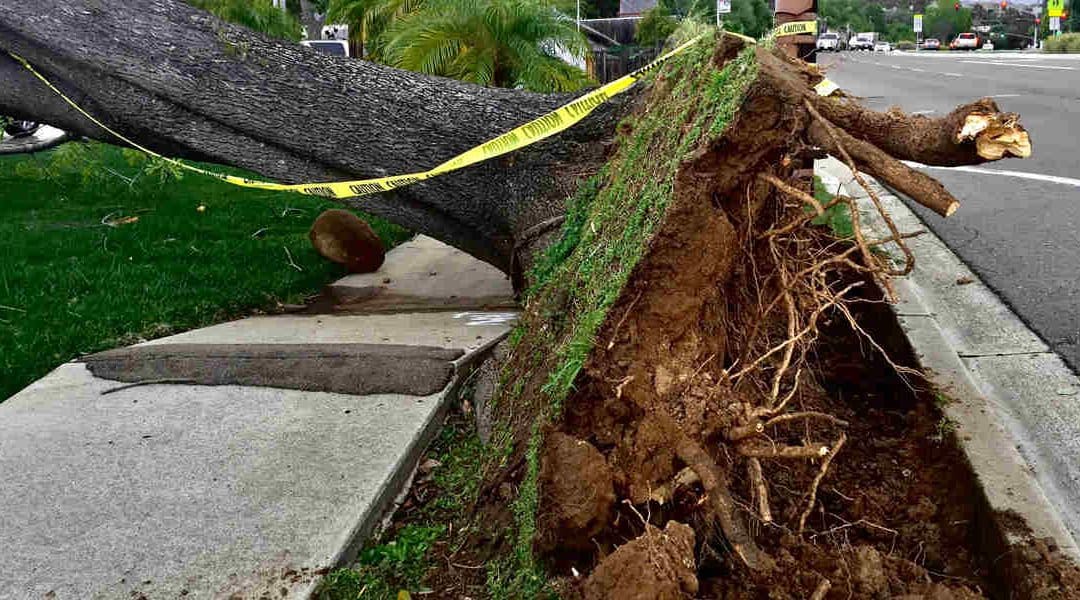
column 101, row 248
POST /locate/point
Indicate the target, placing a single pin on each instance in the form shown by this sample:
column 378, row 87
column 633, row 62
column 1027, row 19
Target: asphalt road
column 1019, row 231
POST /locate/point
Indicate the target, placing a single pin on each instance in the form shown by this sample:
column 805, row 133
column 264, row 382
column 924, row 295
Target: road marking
column 923, row 112
column 917, row 70
column 1018, row 174
column 1007, row 95
column 1014, row 64
column 953, row 74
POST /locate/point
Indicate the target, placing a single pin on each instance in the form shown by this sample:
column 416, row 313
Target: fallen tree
column 673, row 301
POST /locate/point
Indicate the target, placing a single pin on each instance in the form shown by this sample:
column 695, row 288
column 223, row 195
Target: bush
column 655, row 27
column 1068, row 42
column 905, row 45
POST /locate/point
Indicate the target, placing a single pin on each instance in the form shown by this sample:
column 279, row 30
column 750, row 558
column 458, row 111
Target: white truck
column 829, row 41
column 864, row 41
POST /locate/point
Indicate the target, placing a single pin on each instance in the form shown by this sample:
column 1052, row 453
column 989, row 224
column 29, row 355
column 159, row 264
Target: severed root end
column 996, row 135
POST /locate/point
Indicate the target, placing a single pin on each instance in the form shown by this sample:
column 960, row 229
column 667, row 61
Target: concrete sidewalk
column 244, row 458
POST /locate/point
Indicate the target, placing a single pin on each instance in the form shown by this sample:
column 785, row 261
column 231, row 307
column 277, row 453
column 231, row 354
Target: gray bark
column 186, row 84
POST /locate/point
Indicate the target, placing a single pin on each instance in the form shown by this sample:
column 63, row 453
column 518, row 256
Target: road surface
column 1018, row 225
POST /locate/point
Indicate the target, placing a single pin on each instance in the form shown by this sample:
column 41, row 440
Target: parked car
column 17, row 129
column 882, row 46
column 829, row 41
column 863, row 41
column 988, row 45
column 931, row 44
column 335, row 47
column 965, row 41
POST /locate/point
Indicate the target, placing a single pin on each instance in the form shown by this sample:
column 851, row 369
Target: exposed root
column 817, row 481
column 822, row 589
column 760, row 489
column 706, row 367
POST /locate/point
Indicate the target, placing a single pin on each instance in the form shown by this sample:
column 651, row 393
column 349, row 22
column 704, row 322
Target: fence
column 611, row 64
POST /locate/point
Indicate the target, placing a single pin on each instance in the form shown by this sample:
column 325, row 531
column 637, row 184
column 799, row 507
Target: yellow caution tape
column 794, row 28
column 826, row 87
column 542, row 127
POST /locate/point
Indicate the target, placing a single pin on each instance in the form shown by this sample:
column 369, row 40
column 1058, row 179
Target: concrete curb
column 1011, row 398
column 394, row 490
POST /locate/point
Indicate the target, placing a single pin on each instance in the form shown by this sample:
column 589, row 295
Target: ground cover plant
column 103, row 248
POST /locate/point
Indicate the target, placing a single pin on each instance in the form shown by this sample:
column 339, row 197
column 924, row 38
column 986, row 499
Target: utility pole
column 579, row 15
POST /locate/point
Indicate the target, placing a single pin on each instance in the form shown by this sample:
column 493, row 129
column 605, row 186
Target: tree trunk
column 186, row 84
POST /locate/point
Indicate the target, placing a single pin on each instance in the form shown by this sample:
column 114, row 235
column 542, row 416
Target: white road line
column 922, row 112
column 1017, row 174
column 1013, row 64
column 1006, row 95
column 953, row 74
column 916, row 69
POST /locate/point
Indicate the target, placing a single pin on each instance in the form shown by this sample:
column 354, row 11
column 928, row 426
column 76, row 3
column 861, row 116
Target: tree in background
column 590, row 9
column 369, row 19
column 944, row 22
column 259, row 15
column 655, row 26
column 751, row 17
column 504, row 43
column 844, row 15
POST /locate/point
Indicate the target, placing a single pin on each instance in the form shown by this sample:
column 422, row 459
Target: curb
column 1008, row 394
column 394, row 490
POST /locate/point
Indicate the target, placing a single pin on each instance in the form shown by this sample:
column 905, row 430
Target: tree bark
column 186, row 84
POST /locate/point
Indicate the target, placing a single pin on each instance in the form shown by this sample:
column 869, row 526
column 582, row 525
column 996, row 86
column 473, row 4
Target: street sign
column 1055, row 23
column 918, row 24
column 723, row 6
column 1055, row 8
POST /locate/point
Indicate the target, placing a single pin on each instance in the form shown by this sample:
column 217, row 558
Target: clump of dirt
column 577, row 486
column 1036, row 565
column 658, row 565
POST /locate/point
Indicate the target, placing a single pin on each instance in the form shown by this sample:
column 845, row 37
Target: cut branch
column 921, row 187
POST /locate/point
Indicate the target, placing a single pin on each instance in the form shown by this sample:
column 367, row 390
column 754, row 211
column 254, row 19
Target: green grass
column 70, row 285
column 837, row 218
column 401, row 558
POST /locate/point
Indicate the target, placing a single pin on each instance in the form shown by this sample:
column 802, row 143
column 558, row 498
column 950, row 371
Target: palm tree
column 505, row 43
column 259, row 15
column 368, row 19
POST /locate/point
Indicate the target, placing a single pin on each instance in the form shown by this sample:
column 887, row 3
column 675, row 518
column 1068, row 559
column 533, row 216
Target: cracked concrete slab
column 425, row 274
column 467, row 330
column 356, row 369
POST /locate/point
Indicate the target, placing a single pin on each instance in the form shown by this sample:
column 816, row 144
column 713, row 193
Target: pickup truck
column 864, row 41
column 829, row 42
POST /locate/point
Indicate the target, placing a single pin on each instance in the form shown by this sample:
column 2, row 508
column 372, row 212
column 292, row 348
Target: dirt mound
column 658, row 565
column 701, row 353
column 576, row 487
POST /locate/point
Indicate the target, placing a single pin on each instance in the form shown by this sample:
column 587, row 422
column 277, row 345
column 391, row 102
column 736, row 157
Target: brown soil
column 662, row 563
column 731, row 366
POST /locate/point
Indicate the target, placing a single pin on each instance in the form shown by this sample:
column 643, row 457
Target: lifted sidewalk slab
column 164, row 490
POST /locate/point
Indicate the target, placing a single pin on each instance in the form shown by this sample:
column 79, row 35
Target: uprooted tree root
column 667, row 353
